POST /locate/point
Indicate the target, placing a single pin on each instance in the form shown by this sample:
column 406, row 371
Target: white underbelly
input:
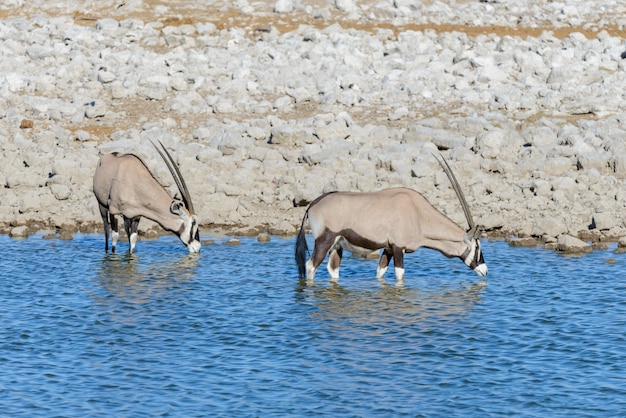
column 341, row 242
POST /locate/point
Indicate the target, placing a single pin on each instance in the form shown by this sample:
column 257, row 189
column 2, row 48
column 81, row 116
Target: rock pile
column 262, row 122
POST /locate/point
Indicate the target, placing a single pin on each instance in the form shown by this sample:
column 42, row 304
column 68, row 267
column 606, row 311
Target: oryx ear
column 177, row 208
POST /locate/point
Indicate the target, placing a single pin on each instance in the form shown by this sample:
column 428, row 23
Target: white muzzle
column 481, row 269
column 194, row 246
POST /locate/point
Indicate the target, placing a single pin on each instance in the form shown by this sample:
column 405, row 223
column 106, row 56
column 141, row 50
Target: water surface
column 233, row 332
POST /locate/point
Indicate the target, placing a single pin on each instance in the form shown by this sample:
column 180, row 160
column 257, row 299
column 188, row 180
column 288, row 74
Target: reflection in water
column 139, row 289
column 127, row 277
column 387, row 305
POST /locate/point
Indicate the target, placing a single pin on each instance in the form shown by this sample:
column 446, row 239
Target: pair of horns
column 184, row 191
column 178, row 177
column 457, row 189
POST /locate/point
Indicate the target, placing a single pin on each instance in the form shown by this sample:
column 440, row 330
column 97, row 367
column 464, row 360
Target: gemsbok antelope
column 397, row 220
column 124, row 186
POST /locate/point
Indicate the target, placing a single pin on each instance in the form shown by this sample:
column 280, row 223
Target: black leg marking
column 398, row 257
column 104, row 212
column 334, row 260
column 115, row 228
column 323, row 244
column 385, row 258
column 131, row 226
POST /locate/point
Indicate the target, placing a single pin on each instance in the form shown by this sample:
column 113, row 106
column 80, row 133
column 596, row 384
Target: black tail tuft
column 301, row 249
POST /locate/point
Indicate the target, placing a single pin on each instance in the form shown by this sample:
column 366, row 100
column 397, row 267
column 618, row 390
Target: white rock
column 60, row 191
column 551, row 226
column 346, row 5
column 490, row 143
column 558, row 166
column 605, row 221
column 283, row 6
column 285, row 135
column 570, row 244
column 19, row 232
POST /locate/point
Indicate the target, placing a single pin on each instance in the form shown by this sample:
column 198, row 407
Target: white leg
column 115, row 235
column 334, row 261
column 334, row 272
column 380, row 272
column 133, row 241
column 399, row 277
column 310, row 272
column 383, row 263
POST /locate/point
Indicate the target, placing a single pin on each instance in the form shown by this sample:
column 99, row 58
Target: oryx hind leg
column 334, row 260
column 383, row 263
column 131, row 225
column 115, row 231
column 323, row 244
column 104, row 212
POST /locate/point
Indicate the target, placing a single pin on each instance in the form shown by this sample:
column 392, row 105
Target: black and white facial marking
column 473, row 258
column 188, row 231
column 191, row 235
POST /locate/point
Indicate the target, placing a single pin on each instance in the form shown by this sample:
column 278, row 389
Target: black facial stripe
column 191, row 236
column 477, row 259
column 181, row 229
column 194, row 234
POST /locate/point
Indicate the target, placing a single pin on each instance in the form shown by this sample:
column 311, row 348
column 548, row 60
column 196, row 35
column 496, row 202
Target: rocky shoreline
column 267, row 105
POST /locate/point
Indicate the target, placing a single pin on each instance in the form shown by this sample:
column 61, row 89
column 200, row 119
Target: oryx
column 397, row 220
column 123, row 185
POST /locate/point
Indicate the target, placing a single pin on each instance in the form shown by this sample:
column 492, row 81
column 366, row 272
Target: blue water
column 233, row 332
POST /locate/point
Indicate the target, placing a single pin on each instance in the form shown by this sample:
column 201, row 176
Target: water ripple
column 234, row 332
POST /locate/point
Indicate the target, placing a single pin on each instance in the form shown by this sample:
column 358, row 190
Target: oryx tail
column 301, row 248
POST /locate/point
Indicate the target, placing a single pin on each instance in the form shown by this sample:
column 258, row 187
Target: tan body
column 124, row 186
column 397, row 220
column 397, row 217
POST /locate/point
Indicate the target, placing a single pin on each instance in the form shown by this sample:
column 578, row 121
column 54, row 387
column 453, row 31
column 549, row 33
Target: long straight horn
column 455, row 185
column 178, row 177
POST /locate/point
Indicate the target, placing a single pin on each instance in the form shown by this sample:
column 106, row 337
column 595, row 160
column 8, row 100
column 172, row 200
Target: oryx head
column 188, row 232
column 472, row 256
column 183, row 208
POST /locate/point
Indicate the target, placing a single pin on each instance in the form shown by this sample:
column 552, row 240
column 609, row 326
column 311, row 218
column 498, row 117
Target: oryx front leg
column 116, row 231
column 334, row 260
